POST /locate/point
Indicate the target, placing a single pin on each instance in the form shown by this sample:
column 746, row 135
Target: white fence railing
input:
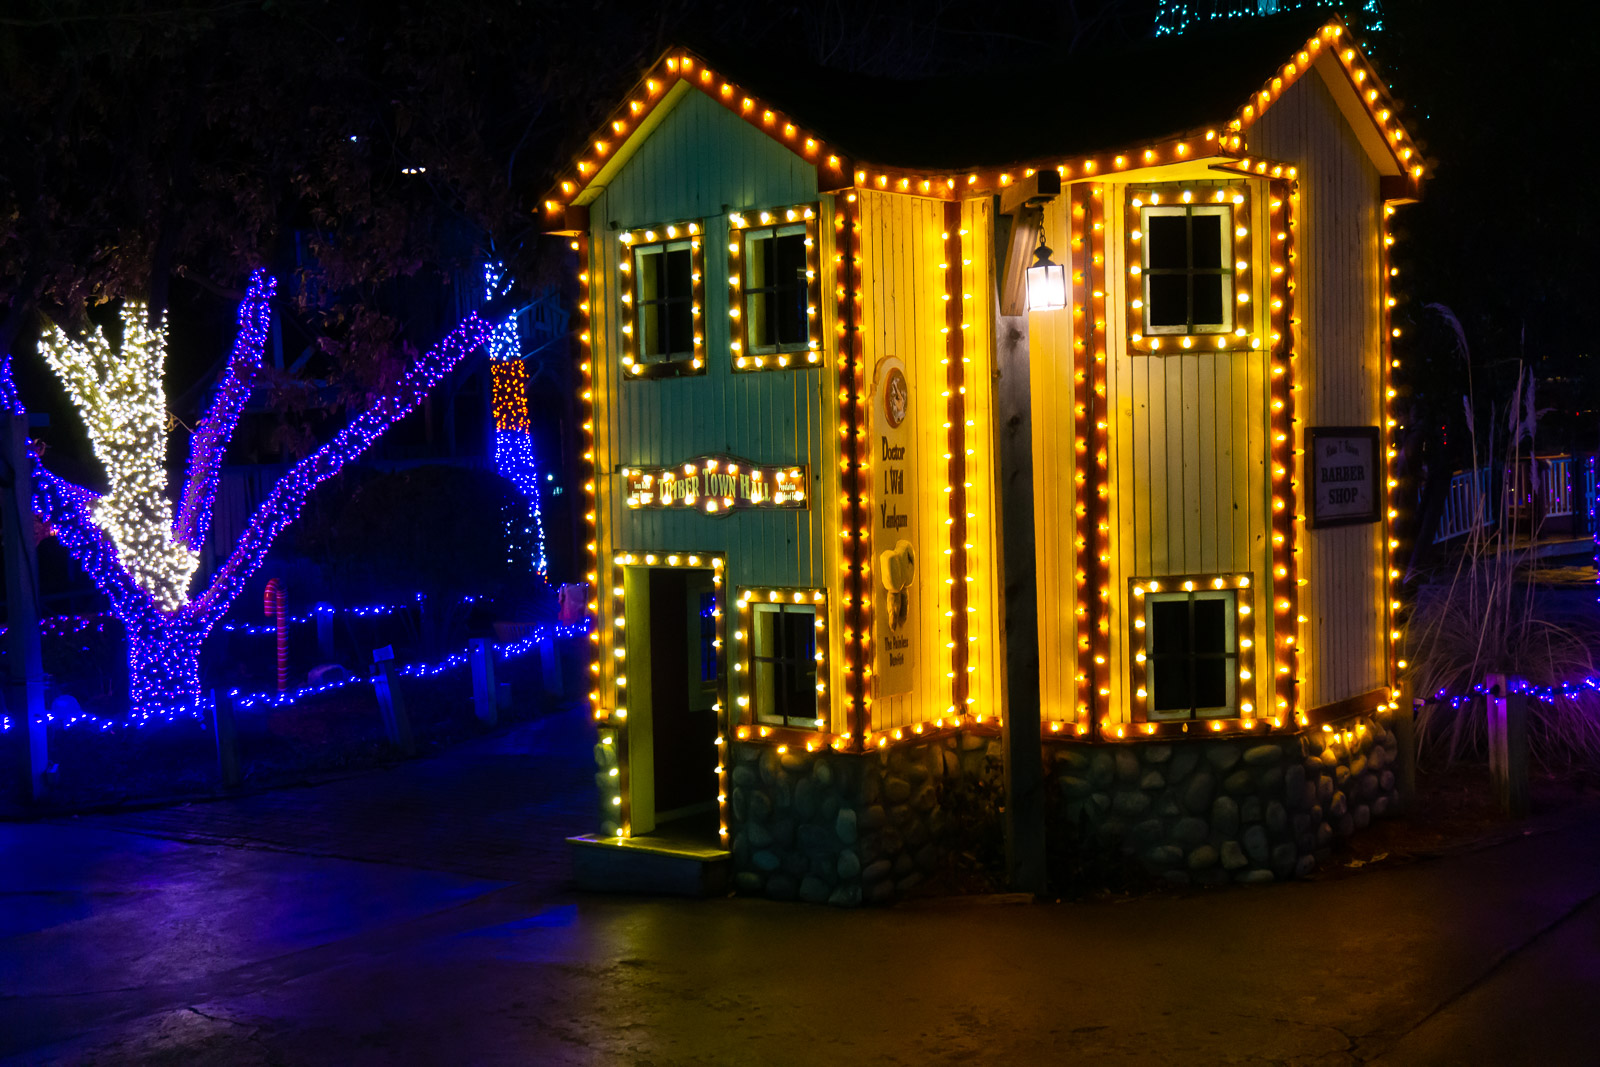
column 1534, row 490
column 1466, row 507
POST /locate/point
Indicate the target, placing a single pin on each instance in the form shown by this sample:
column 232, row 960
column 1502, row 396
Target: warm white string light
column 124, row 406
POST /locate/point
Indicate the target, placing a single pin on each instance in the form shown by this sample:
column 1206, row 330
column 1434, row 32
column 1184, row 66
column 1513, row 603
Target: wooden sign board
column 716, row 485
column 895, row 574
column 1342, row 465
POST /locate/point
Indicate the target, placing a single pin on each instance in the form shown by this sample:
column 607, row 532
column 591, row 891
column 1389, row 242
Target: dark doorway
column 683, row 697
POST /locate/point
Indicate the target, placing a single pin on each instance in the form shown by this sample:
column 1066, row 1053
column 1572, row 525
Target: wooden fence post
column 391, row 702
column 222, row 725
column 1508, row 745
column 484, row 693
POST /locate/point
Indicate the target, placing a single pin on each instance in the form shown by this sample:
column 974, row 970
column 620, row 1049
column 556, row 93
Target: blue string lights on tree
column 513, row 430
column 166, row 625
column 1176, row 16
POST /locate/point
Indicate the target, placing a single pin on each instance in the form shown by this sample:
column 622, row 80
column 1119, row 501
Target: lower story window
column 1192, row 651
column 783, row 662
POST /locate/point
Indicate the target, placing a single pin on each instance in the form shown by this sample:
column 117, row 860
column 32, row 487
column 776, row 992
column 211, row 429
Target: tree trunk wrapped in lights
column 127, row 541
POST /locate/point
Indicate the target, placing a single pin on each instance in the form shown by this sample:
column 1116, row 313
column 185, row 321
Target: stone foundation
column 846, row 828
column 1227, row 809
column 853, row 828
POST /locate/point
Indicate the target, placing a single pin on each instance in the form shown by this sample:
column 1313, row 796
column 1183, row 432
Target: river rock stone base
column 1240, row 809
column 844, row 828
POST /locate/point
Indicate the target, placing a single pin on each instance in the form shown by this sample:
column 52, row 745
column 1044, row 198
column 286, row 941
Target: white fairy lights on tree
column 124, row 406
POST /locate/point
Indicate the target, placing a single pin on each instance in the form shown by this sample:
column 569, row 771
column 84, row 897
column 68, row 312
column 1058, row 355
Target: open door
column 672, row 718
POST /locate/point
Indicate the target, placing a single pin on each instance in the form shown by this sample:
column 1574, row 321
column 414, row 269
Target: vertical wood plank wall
column 1054, row 491
column 703, row 162
column 1340, row 374
column 903, row 313
column 1187, row 457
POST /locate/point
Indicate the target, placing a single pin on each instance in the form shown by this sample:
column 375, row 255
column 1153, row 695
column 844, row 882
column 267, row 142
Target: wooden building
column 805, row 358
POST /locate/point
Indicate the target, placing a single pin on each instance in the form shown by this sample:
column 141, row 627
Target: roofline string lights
column 633, row 361
column 836, row 172
column 855, row 511
column 1363, row 79
column 745, row 359
column 684, row 66
column 210, row 442
column 955, row 361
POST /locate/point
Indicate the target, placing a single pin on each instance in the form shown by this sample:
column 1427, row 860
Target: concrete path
column 381, row 920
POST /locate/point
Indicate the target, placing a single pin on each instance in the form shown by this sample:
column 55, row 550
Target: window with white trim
column 1192, row 653
column 1187, row 268
column 783, row 663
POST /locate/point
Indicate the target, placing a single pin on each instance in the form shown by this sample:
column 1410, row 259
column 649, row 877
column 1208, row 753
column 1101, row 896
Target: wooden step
column 648, row 865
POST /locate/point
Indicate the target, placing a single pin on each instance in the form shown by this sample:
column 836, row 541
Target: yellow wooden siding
column 1187, row 472
column 1050, row 360
column 1187, row 455
column 903, row 309
column 1340, row 374
column 697, row 160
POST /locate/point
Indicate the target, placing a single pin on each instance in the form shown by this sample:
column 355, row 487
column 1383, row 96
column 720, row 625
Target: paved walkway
column 387, row 919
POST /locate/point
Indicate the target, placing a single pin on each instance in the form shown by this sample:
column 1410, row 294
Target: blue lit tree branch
column 165, row 626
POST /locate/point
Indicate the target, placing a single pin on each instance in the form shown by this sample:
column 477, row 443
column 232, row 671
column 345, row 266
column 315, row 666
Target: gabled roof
column 1189, row 96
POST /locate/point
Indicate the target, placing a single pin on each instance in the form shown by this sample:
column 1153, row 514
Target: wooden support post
column 1019, row 637
column 391, row 701
column 484, row 693
column 1508, row 745
column 26, row 698
column 550, row 663
column 1405, row 735
column 227, row 738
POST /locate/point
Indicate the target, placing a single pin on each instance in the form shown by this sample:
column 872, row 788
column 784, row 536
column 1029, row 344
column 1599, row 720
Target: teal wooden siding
column 702, row 163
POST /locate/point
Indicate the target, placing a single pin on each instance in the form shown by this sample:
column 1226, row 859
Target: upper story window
column 661, row 274
column 1188, row 256
column 773, row 290
column 781, row 645
column 1191, row 648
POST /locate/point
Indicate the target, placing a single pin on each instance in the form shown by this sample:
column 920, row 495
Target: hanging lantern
column 1047, row 281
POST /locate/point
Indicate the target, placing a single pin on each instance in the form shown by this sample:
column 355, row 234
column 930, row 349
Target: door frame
column 630, row 589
